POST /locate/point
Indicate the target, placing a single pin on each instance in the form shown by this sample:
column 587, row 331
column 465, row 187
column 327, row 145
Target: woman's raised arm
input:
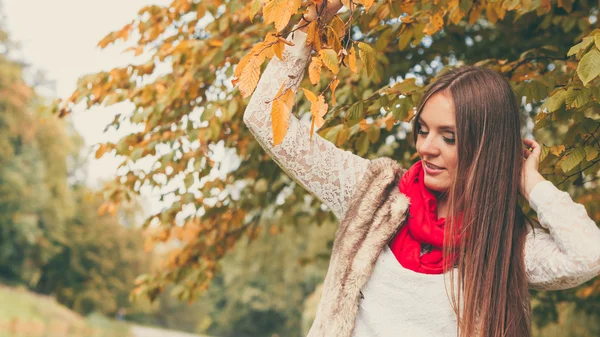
column 567, row 252
column 326, row 171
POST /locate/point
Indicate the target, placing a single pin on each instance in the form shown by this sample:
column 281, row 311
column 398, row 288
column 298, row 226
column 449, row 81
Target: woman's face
column 436, row 142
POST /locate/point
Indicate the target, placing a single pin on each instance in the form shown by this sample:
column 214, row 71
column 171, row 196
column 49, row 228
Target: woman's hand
column 530, row 175
column 330, row 10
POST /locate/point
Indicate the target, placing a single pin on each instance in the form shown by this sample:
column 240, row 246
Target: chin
column 435, row 185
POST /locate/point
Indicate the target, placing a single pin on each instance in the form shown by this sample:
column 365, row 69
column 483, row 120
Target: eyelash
column 447, row 140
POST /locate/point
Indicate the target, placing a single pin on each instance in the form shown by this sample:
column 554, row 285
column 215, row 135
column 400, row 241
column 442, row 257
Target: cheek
column 452, row 161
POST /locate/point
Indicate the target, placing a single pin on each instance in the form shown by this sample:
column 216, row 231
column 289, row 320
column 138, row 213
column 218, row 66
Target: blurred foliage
column 52, row 238
column 191, row 53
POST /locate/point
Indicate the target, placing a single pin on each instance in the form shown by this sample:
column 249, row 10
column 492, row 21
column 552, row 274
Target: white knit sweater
column 397, row 301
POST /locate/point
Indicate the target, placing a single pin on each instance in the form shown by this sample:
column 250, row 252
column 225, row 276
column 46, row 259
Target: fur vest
column 375, row 213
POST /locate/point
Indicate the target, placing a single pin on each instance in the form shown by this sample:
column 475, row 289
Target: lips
column 433, row 167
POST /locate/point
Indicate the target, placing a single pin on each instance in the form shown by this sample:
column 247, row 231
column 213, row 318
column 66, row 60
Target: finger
column 531, row 144
column 537, row 149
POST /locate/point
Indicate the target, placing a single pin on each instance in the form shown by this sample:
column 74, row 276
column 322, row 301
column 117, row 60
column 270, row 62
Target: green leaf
column 401, row 111
column 555, row 101
column 373, row 132
column 534, row 90
column 331, row 134
column 573, row 159
column 356, row 111
column 189, row 180
column 590, row 153
column 589, row 66
column 580, row 47
column 405, row 38
column 544, row 152
column 577, row 97
column 362, row 144
column 367, row 56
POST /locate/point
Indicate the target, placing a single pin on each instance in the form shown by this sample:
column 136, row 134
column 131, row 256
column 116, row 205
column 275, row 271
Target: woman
column 398, row 245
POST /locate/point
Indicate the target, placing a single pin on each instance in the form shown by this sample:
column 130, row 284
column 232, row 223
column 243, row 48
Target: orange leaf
column 367, row 4
column 101, row 150
column 314, row 69
column 280, row 12
column 310, row 95
column 278, row 49
column 352, row 60
column 435, row 24
column 311, row 33
column 318, row 109
column 250, row 77
column 280, row 114
column 333, row 86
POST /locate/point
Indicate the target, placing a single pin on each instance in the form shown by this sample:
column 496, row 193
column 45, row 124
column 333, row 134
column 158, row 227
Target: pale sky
column 59, row 37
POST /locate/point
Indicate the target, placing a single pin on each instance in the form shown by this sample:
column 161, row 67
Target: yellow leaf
column 332, row 86
column 101, row 150
column 367, row 55
column 215, row 43
column 256, row 6
column 367, row 4
column 435, row 24
column 280, row 12
column 278, row 49
column 314, row 69
column 200, row 11
column 491, row 13
column 362, row 125
column 310, row 95
column 250, row 77
column 352, row 60
column 557, row 150
column 329, row 57
column 280, row 114
column 318, row 109
column 312, row 33
column 475, row 13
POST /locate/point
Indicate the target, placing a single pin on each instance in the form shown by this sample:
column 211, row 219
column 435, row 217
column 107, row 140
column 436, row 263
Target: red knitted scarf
column 422, row 227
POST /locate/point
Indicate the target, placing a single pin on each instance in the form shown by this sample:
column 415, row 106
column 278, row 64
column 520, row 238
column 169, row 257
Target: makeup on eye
column 447, row 140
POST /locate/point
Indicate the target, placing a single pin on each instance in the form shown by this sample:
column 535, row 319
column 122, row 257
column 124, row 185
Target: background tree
column 376, row 57
column 52, row 238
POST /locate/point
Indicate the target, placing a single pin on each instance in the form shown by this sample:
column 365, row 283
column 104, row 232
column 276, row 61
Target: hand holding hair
column 530, row 175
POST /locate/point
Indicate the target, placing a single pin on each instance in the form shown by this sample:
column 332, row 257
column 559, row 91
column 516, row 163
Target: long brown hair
column 492, row 298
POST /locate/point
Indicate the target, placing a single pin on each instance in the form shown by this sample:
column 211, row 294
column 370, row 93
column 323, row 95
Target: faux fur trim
column 376, row 212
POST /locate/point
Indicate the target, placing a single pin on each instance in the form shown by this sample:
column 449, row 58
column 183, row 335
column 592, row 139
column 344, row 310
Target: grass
column 23, row 313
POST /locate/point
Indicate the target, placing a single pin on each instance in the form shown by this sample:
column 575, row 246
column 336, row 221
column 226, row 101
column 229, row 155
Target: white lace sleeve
column 568, row 253
column 324, row 170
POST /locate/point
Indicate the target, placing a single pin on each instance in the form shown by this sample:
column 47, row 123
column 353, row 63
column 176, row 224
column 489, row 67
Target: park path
column 143, row 331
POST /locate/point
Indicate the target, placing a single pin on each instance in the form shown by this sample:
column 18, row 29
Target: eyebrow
column 443, row 127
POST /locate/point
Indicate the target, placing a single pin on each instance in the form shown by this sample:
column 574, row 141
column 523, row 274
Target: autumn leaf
column 312, row 33
column 280, row 12
column 352, row 60
column 314, row 69
column 256, row 6
column 367, row 3
column 367, row 56
column 250, row 77
column 280, row 114
column 318, row 109
column 435, row 24
column 330, row 60
column 278, row 49
column 332, row 87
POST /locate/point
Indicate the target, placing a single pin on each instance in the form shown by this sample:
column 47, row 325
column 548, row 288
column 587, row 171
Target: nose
column 428, row 147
